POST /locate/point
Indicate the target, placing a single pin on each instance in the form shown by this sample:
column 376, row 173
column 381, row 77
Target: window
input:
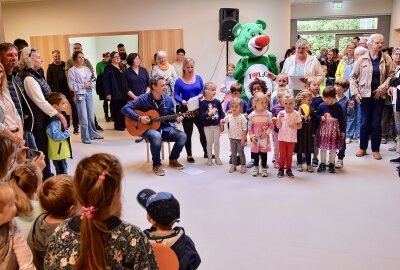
column 337, row 24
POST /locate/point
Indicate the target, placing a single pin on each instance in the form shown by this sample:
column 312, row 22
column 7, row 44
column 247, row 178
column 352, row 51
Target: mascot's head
column 251, row 39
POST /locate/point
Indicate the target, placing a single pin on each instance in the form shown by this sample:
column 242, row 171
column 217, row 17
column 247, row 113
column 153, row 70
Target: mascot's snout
column 262, row 41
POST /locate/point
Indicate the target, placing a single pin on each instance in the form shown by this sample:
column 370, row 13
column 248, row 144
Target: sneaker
column 255, row 171
column 280, row 173
column 250, row 164
column 310, row 169
column 321, row 168
column 393, row 148
column 331, row 168
column 209, row 162
column 395, row 160
column 76, row 130
column 218, row 161
column 158, row 170
column 299, row 167
column 348, row 140
column 175, row 164
column 86, row 141
column 377, row 155
column 190, row 159
column 243, row 169
column 339, row 163
column 99, row 128
column 384, row 141
column 289, row 173
column 276, row 164
column 361, row 153
column 232, row 169
column 97, row 137
column 264, row 172
column 315, row 162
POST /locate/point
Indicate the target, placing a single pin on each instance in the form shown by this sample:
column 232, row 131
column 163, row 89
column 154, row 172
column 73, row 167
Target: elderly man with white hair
column 369, row 84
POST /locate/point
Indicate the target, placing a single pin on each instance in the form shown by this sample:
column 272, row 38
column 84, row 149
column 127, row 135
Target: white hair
column 302, row 42
column 161, row 54
column 25, row 60
column 372, row 38
column 360, row 50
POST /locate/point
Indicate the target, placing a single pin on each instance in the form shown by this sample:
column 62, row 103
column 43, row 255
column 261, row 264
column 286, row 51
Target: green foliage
column 332, row 25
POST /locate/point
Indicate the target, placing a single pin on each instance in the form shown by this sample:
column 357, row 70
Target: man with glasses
column 58, row 83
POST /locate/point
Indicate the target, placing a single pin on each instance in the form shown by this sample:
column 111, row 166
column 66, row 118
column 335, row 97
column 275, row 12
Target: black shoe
column 108, row 119
column 280, row 173
column 76, row 130
column 289, row 173
column 315, row 162
column 190, row 159
column 138, row 140
column 395, row 160
column 99, row 128
column 398, row 170
column 119, row 129
column 206, row 156
column 321, row 168
column 331, row 168
column 238, row 160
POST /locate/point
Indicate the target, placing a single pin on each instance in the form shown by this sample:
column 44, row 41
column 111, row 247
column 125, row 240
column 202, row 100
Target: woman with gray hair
column 369, row 83
column 394, row 91
column 302, row 64
column 37, row 91
column 165, row 70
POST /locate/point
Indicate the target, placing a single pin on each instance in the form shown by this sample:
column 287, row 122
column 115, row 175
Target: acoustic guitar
column 137, row 128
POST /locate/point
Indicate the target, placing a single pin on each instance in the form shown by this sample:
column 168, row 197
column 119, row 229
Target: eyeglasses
column 116, row 56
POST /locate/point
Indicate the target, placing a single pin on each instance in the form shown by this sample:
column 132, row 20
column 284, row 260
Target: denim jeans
column 155, row 138
column 354, row 121
column 43, row 145
column 371, row 117
column 61, row 166
column 85, row 108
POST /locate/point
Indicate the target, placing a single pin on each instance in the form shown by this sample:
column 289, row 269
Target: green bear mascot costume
column 251, row 42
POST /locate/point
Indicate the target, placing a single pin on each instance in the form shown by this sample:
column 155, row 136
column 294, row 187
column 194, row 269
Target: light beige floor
column 349, row 220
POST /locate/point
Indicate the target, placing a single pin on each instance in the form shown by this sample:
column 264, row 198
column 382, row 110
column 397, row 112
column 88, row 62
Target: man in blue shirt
column 162, row 103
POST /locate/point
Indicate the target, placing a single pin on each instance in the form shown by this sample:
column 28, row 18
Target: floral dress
column 127, row 248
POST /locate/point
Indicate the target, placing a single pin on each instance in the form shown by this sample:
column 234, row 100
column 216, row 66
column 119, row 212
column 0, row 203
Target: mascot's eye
column 259, row 33
column 252, row 34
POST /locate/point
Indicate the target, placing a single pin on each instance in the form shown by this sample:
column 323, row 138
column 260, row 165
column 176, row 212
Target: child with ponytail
column 98, row 239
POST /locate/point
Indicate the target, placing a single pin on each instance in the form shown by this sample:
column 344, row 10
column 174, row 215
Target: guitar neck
column 166, row 117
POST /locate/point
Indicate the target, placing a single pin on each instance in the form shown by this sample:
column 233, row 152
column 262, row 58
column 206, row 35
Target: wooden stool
column 162, row 149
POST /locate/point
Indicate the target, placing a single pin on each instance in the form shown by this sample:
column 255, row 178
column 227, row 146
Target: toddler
column 237, row 133
column 59, row 138
column 348, row 107
column 229, row 80
column 14, row 251
column 305, row 135
column 56, row 200
column 275, row 111
column 282, row 80
column 331, row 129
column 256, row 86
column 26, row 180
column 163, row 211
column 314, row 87
column 288, row 122
column 211, row 113
column 236, row 90
column 260, row 126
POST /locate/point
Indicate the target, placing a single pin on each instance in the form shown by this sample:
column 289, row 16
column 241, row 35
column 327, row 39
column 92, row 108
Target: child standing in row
column 59, row 138
column 14, row 251
column 289, row 121
column 331, row 131
column 237, row 133
column 226, row 87
column 275, row 111
column 340, row 86
column 282, row 80
column 211, row 113
column 314, row 87
column 305, row 135
column 236, row 90
column 260, row 126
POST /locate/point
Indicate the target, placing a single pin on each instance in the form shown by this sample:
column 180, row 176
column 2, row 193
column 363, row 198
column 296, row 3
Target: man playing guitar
column 162, row 103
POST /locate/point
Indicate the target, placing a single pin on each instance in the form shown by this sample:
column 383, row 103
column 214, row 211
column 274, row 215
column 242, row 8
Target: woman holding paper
column 301, row 66
column 187, row 89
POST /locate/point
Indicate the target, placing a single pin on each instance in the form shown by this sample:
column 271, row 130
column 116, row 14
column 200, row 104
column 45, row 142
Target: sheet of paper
column 192, row 171
column 296, row 84
column 193, row 103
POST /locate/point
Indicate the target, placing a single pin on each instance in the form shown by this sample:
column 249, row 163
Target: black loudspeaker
column 228, row 18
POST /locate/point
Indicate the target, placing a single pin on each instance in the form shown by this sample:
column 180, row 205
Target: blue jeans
column 371, row 117
column 85, row 108
column 42, row 144
column 354, row 121
column 155, row 138
column 61, row 166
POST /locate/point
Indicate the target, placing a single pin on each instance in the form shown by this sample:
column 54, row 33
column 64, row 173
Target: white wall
column 395, row 25
column 350, row 8
column 199, row 20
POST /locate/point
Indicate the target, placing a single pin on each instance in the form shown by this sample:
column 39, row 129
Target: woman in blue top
column 190, row 85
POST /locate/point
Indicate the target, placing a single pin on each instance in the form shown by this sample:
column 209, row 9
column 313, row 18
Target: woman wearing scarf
column 165, row 70
column 343, row 71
